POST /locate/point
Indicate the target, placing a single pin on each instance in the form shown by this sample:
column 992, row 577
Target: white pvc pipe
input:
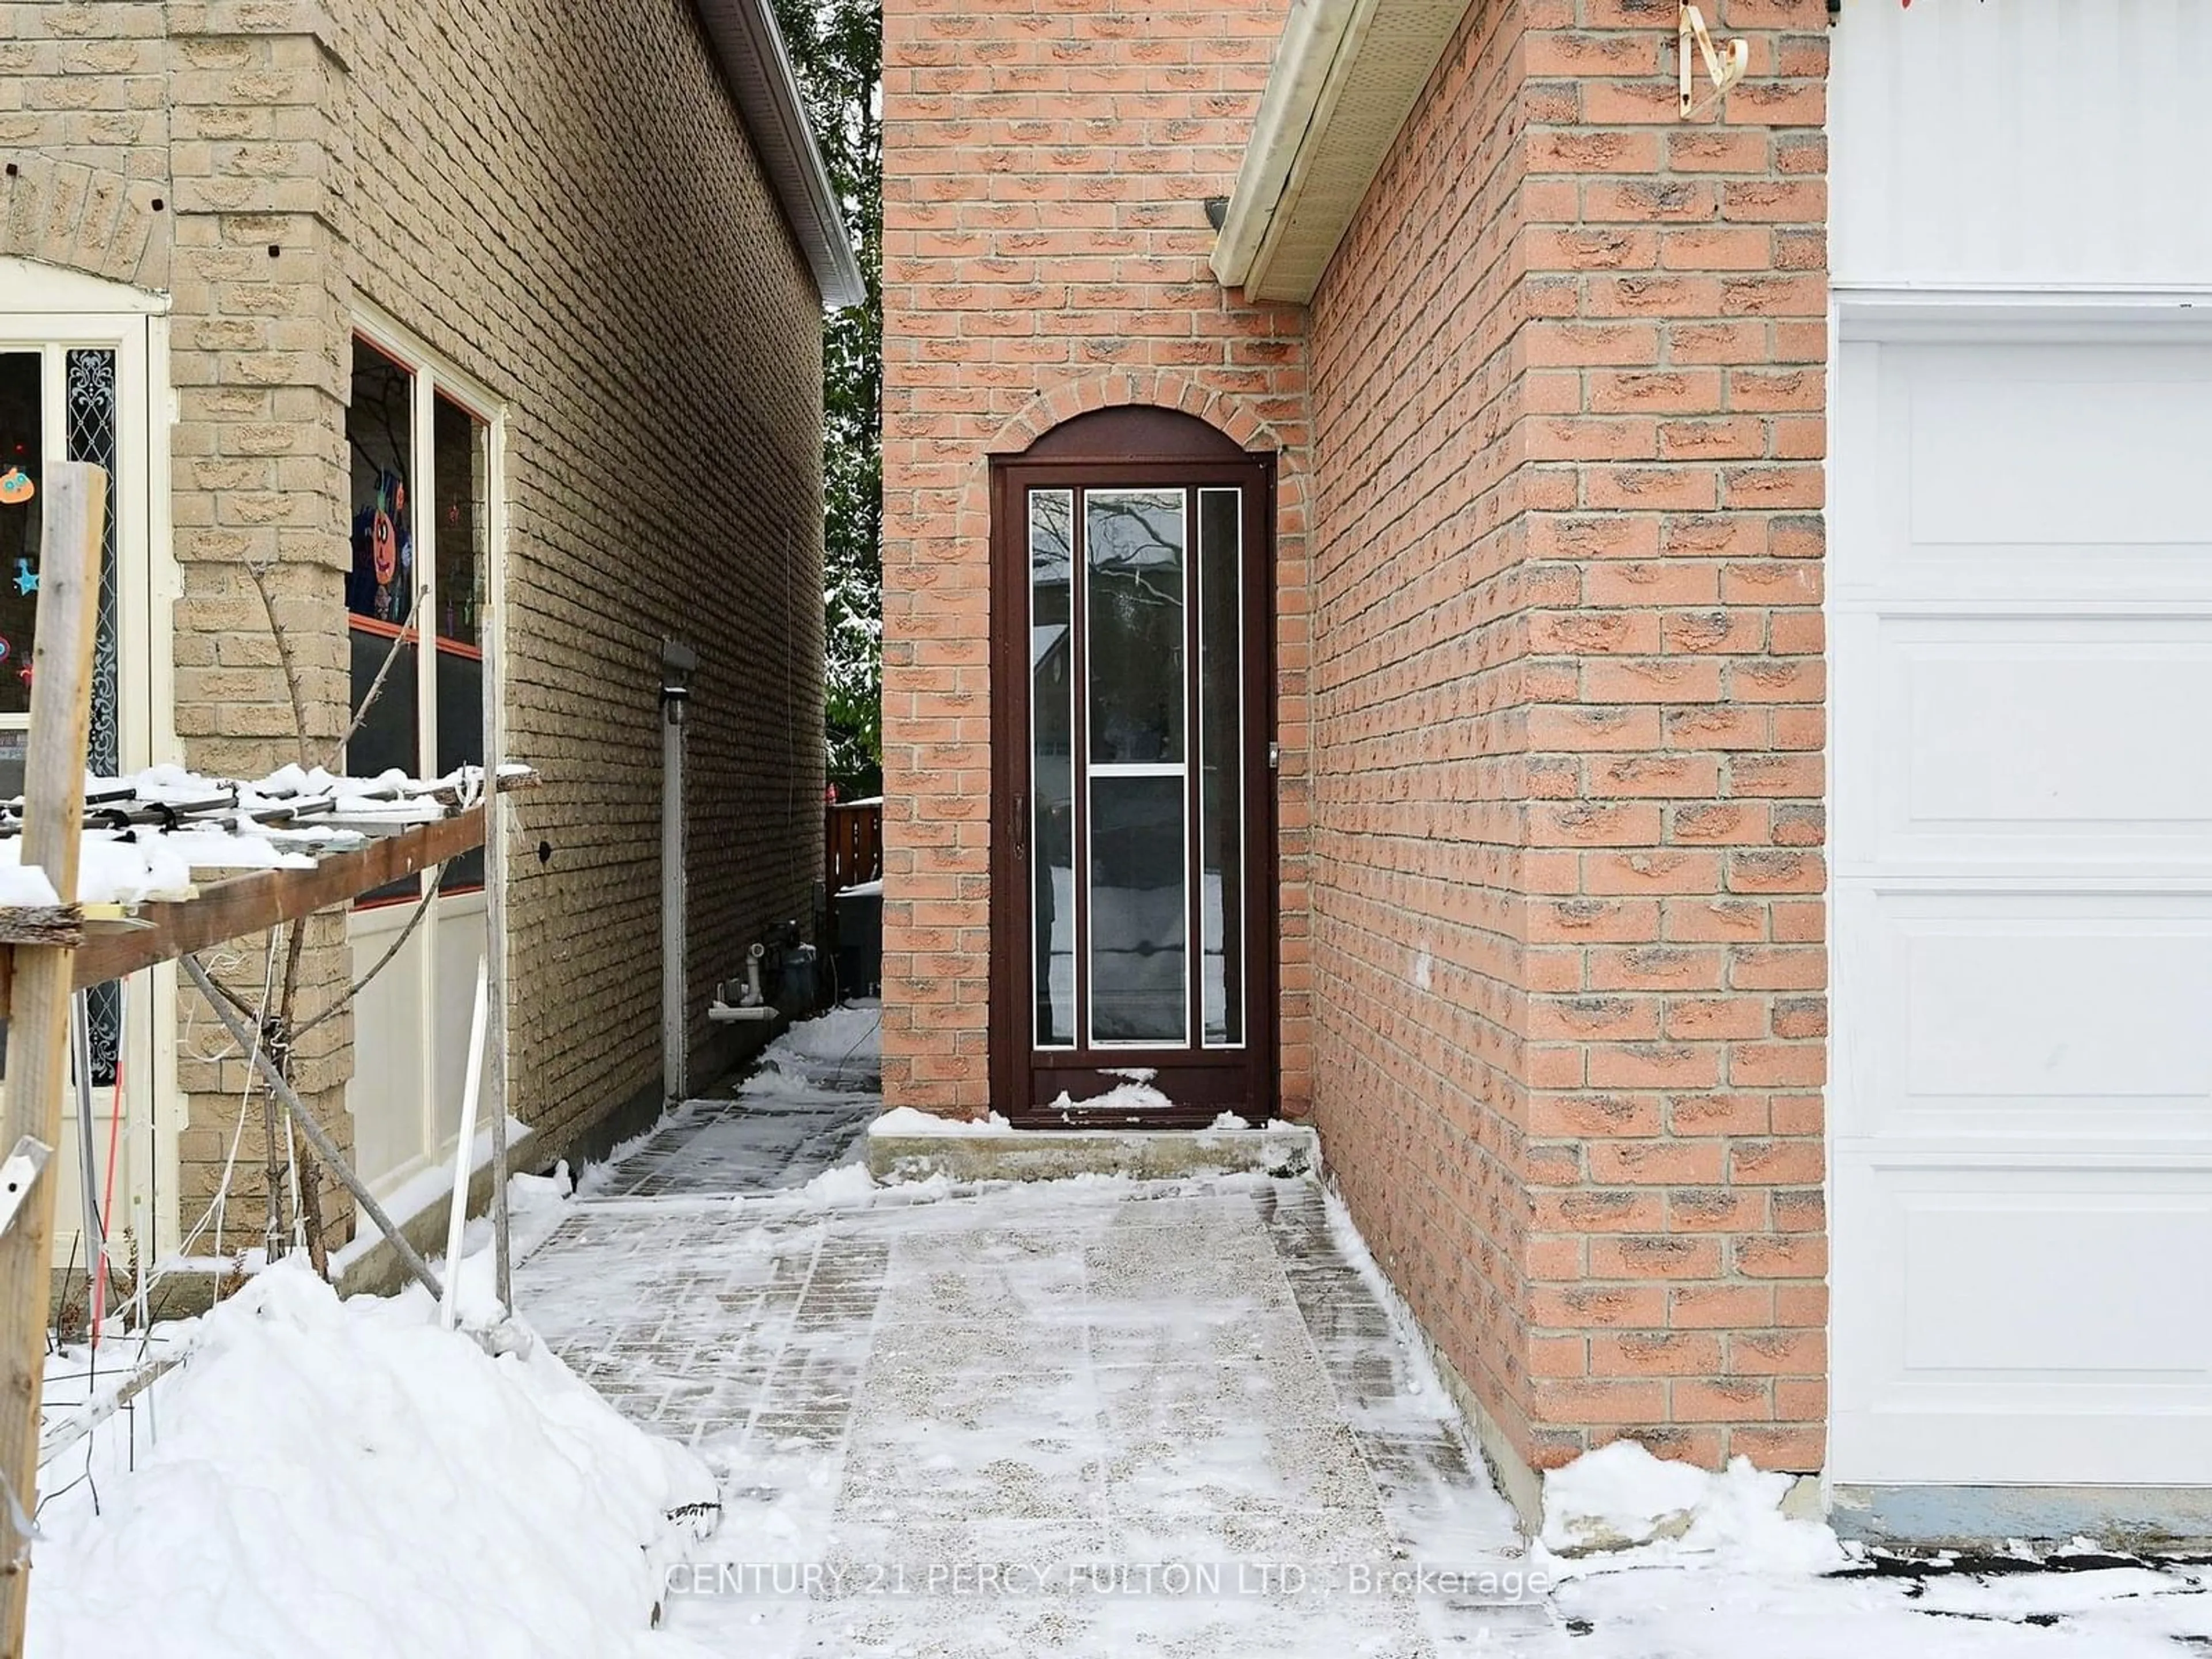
column 675, row 930
column 465, row 1152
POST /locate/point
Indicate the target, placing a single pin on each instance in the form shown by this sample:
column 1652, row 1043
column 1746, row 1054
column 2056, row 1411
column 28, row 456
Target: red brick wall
column 1568, row 384
column 1046, row 167
column 1419, row 723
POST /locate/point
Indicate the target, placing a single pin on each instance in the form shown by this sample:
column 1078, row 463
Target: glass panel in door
column 1052, row 766
column 1138, row 841
column 1137, row 772
column 1221, row 765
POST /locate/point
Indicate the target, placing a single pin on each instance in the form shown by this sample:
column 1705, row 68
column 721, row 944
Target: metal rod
column 496, row 967
column 318, row 1137
column 456, row 1212
column 95, row 1233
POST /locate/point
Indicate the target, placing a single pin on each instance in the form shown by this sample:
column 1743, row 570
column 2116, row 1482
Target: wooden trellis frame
column 49, row 952
column 108, row 946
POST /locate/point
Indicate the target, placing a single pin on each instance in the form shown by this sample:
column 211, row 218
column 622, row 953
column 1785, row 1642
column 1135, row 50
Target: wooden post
column 44, row 976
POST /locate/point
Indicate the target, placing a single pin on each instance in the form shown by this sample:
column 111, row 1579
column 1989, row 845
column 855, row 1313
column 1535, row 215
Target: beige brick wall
column 617, row 270
column 1046, row 167
column 259, row 475
column 1567, row 396
column 569, row 212
column 177, row 149
column 85, row 131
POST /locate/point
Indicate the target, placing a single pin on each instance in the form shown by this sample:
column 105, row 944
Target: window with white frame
column 61, row 386
column 57, row 402
column 421, row 468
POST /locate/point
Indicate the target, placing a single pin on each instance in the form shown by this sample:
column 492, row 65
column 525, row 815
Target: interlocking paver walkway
column 981, row 1418
column 800, row 1114
column 965, row 1422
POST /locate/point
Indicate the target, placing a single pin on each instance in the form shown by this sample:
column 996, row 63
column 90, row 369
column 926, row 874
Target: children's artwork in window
column 380, row 588
column 378, row 427
column 422, row 560
column 22, row 450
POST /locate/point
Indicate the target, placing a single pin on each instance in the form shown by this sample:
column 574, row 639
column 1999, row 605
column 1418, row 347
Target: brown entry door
column 1136, row 941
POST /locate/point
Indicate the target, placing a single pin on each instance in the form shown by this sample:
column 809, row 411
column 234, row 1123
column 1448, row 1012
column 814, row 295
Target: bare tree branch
column 283, row 1038
column 272, row 1166
column 281, row 1035
column 236, row 1000
column 284, row 655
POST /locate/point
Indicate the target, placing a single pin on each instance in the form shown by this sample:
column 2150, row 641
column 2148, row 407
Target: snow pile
column 908, row 1121
column 392, row 793
column 23, row 884
column 536, row 1206
column 850, row 1031
column 212, row 826
column 346, row 1479
column 839, row 1052
column 599, row 1176
column 1620, row 1498
column 1130, row 1097
column 114, row 872
column 841, row 1183
column 434, row 1185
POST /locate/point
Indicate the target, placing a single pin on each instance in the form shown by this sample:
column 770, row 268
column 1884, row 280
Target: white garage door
column 2021, row 1100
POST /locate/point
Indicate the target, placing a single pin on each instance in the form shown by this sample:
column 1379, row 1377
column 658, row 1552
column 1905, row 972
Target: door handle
column 1020, row 827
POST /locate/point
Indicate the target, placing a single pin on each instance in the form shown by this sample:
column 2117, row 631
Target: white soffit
column 1346, row 75
column 766, row 91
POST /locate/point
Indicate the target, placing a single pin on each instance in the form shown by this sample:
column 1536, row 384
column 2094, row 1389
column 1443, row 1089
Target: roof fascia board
column 765, row 90
column 1315, row 36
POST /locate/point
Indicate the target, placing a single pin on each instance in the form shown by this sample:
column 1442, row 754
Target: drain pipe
column 678, row 662
column 754, row 1005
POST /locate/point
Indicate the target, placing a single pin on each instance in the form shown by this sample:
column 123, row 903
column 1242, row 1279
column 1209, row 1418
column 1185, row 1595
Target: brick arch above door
column 1226, row 411
column 86, row 219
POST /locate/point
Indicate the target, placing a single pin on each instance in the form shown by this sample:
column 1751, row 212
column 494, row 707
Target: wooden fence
column 852, row 843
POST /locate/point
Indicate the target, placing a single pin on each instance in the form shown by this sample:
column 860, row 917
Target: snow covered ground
column 803, row 1110
column 348, row 1478
column 1097, row 1419
column 975, row 1419
column 1709, row 1568
column 971, row 1425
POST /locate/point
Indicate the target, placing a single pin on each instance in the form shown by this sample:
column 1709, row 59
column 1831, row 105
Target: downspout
column 678, row 662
